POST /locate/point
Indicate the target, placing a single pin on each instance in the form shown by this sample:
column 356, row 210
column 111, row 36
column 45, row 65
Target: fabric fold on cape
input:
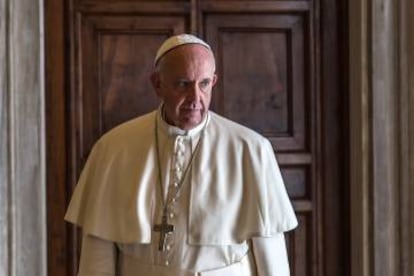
column 237, row 191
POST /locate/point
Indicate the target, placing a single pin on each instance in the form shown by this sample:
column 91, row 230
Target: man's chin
column 189, row 122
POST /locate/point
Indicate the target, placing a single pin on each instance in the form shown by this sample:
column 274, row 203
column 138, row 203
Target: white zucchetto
column 176, row 41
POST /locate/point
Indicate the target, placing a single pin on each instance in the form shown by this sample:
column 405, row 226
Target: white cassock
column 229, row 212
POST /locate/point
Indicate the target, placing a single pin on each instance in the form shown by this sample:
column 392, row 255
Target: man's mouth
column 190, row 109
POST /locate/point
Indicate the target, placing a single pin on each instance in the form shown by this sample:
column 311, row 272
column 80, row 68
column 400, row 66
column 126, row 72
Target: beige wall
column 382, row 133
column 22, row 165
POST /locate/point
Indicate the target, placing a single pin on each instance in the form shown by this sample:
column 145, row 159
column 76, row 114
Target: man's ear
column 214, row 80
column 156, row 83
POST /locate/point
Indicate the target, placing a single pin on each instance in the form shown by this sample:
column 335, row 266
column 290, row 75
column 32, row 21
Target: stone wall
column 381, row 70
column 22, row 162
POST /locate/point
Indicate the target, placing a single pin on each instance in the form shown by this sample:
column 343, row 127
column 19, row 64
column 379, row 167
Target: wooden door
column 279, row 73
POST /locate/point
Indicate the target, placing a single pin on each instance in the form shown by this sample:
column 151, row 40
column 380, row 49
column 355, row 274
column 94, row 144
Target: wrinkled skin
column 183, row 79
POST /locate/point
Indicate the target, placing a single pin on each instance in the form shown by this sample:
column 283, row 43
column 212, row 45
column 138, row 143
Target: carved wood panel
column 261, row 74
column 116, row 59
column 269, row 55
column 262, row 60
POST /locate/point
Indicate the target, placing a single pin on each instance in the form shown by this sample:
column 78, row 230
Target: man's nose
column 194, row 92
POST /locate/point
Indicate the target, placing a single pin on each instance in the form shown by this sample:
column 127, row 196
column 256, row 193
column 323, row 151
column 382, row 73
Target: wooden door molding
column 115, row 60
column 261, row 65
column 282, row 40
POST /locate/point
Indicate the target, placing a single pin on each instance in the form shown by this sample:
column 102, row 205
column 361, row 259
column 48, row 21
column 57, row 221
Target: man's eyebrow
column 189, row 80
column 184, row 79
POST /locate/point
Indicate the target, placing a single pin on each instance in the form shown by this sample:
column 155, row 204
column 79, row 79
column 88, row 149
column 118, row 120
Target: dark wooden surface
column 59, row 250
column 279, row 73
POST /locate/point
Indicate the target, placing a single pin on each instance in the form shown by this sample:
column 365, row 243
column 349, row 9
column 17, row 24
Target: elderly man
column 181, row 190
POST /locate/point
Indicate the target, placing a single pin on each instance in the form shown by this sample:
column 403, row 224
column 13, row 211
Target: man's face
column 184, row 80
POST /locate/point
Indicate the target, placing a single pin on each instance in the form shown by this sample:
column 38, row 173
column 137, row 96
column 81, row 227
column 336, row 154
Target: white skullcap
column 176, row 41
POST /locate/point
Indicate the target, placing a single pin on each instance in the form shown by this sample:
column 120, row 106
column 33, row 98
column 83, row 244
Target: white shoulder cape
column 237, row 191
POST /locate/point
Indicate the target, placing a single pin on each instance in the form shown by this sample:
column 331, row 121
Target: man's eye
column 182, row 84
column 204, row 83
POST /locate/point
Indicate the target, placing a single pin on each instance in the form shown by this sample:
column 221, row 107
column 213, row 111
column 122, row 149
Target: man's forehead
column 187, row 75
column 180, row 71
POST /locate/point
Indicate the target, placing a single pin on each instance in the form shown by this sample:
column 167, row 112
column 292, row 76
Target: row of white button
column 179, row 152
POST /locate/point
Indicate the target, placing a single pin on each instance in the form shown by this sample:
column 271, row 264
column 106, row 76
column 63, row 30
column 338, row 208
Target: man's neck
column 175, row 130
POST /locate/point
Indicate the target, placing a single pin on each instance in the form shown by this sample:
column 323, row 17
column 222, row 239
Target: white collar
column 176, row 131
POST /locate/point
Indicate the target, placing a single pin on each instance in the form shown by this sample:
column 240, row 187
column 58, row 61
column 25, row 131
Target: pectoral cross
column 164, row 228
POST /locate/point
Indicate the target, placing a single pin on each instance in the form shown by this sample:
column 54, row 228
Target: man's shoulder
column 234, row 129
column 136, row 128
